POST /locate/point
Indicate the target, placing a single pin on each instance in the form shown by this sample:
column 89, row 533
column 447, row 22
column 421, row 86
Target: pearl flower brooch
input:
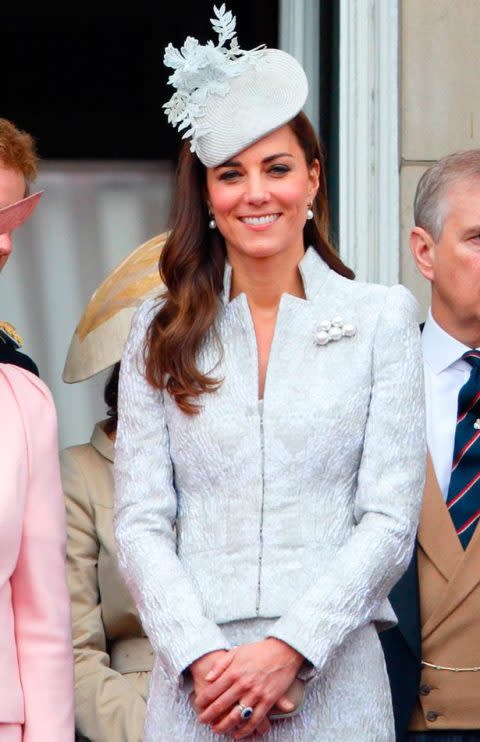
column 333, row 330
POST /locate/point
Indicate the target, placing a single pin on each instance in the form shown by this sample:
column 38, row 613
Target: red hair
column 17, row 151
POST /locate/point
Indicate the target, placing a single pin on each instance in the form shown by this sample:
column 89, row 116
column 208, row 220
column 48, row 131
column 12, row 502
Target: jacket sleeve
column 40, row 597
column 108, row 706
column 355, row 583
column 145, row 512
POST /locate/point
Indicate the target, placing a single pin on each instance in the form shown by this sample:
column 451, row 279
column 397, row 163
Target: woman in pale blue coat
column 270, row 447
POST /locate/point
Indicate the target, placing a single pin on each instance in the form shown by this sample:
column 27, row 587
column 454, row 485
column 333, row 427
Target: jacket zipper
column 260, row 556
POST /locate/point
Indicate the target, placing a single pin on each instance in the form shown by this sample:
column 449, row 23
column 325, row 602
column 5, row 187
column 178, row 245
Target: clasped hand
column 256, row 675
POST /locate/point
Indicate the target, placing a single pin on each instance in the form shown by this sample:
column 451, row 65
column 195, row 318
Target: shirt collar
column 440, row 350
column 102, row 442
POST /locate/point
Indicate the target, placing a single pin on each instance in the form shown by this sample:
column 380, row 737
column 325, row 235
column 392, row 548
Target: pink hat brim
column 14, row 215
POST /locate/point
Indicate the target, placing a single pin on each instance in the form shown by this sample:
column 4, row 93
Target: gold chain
column 452, row 669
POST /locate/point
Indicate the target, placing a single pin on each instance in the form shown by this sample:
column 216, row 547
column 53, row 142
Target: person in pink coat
column 36, row 661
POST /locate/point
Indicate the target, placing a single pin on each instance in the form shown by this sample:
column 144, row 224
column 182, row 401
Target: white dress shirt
column 445, row 374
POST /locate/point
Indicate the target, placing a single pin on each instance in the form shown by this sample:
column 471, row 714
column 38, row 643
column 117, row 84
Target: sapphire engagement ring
column 245, row 711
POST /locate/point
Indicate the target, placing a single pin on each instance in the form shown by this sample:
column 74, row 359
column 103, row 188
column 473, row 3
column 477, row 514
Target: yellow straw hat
column 98, row 340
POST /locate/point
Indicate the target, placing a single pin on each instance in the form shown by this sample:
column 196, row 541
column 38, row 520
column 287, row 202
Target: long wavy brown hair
column 192, row 265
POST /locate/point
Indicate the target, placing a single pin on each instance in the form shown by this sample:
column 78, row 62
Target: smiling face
column 12, row 189
column 260, row 198
column 452, row 264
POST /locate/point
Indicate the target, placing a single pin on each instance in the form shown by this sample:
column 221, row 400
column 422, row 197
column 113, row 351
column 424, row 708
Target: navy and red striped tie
column 463, row 498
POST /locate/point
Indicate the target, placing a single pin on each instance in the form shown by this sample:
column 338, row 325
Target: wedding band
column 245, row 711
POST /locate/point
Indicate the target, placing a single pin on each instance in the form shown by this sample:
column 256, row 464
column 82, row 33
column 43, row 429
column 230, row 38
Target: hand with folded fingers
column 201, row 670
column 242, row 687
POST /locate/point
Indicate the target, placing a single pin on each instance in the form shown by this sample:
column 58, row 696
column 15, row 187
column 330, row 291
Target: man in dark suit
column 18, row 168
column 433, row 655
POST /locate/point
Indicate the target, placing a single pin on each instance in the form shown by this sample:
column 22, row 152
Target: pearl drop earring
column 310, row 212
column 212, row 223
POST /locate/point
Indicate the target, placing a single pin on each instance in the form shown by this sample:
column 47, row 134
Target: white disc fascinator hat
column 99, row 337
column 227, row 98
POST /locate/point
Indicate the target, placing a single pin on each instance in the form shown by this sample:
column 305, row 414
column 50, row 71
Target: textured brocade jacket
column 307, row 517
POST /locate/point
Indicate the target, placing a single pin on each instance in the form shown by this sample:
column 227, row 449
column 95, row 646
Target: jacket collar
column 313, row 271
column 101, row 442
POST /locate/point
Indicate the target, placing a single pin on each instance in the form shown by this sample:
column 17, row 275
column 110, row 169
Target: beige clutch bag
column 296, row 694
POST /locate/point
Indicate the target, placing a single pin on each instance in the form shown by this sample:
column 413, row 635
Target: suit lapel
column 464, row 579
column 436, row 533
column 441, row 544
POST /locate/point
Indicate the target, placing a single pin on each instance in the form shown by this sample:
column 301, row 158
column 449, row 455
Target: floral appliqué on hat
column 203, row 70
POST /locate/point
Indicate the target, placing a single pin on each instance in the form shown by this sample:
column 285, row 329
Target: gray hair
column 430, row 204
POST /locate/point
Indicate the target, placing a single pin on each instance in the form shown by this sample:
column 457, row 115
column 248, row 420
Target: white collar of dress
column 313, row 271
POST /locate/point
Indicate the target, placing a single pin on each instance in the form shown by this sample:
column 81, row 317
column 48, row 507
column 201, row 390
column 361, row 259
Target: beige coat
column 113, row 658
column 449, row 579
